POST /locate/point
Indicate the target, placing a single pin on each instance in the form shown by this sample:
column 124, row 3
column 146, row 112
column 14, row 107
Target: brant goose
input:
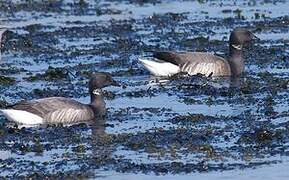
column 60, row 109
column 2, row 31
column 169, row 63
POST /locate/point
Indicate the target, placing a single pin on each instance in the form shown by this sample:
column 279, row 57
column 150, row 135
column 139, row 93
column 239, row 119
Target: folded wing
column 197, row 62
column 56, row 109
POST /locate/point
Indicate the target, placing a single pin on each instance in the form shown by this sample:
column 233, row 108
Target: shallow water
column 156, row 128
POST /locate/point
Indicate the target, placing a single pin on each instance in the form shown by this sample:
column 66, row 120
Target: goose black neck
column 97, row 103
column 236, row 60
column 95, row 96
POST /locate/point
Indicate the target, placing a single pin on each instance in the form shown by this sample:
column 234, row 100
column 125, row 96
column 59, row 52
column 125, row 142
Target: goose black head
column 241, row 36
column 100, row 80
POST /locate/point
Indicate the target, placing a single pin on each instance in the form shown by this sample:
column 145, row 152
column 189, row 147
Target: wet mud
column 177, row 125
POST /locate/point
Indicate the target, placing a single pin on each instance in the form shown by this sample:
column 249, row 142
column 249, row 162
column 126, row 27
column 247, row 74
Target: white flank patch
column 159, row 67
column 22, row 117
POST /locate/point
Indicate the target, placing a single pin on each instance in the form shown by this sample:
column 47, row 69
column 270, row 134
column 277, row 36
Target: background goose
column 60, row 109
column 1, row 34
column 169, row 63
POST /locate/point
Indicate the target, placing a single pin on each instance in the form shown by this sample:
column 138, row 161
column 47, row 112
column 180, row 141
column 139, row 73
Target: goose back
column 56, row 109
column 198, row 62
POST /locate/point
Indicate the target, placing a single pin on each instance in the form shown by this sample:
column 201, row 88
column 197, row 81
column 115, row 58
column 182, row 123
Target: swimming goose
column 60, row 109
column 169, row 63
column 2, row 31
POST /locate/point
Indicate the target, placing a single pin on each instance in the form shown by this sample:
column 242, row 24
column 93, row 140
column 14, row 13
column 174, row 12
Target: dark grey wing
column 204, row 63
column 42, row 107
column 197, row 62
column 69, row 115
column 180, row 58
column 29, row 106
column 171, row 57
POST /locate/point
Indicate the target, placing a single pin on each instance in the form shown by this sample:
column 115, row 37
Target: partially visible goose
column 169, row 63
column 2, row 31
column 60, row 109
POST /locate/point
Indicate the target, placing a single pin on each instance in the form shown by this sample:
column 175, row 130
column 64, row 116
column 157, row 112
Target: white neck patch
column 96, row 92
column 238, row 47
